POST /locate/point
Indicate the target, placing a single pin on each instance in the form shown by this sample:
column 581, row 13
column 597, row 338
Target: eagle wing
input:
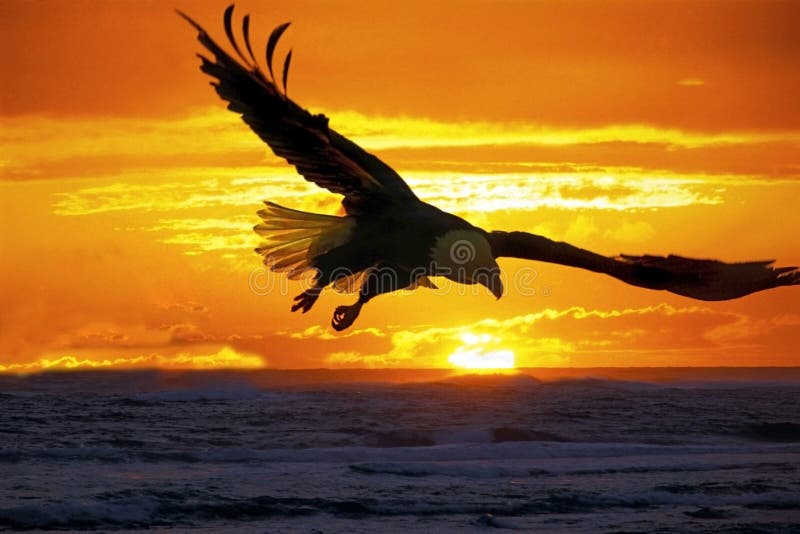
column 319, row 154
column 696, row 278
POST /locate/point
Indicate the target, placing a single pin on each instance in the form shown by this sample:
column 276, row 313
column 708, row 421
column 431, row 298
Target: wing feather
column 227, row 18
column 246, row 33
column 286, row 64
column 272, row 42
column 700, row 279
column 319, row 154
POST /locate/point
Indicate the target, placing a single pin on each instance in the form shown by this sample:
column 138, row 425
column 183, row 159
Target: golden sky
column 129, row 192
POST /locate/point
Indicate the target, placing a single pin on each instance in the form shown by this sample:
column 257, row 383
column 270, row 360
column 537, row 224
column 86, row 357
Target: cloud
column 37, row 147
column 224, row 358
column 572, row 336
column 318, row 332
column 187, row 333
column 615, row 190
column 746, row 329
column 183, row 307
column 382, row 132
column 35, row 141
column 355, row 359
column 186, row 189
column 199, row 242
column 107, row 335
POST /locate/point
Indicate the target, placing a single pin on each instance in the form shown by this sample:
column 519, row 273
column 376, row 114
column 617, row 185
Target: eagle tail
column 294, row 239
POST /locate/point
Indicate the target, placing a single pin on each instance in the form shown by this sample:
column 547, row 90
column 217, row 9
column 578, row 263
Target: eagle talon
column 345, row 316
column 305, row 300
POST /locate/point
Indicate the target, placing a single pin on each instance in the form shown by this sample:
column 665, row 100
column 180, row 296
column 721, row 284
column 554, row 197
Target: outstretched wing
column 320, row 154
column 698, row 279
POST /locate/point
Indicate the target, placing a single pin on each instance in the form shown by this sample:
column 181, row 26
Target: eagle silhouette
column 389, row 239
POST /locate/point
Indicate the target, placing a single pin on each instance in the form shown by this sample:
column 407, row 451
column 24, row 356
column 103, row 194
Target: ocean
column 669, row 450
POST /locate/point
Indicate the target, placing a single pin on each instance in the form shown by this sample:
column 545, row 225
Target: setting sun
column 473, row 354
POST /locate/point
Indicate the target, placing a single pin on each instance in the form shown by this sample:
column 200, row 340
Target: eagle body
column 389, row 239
column 396, row 247
column 406, row 236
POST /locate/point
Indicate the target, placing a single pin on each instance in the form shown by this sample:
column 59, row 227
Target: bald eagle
column 389, row 239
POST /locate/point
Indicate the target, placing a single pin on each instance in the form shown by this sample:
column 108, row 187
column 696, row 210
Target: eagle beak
column 494, row 283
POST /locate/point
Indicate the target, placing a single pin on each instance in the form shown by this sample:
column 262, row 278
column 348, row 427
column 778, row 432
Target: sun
column 474, row 354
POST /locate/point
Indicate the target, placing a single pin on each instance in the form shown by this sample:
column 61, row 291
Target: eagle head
column 465, row 256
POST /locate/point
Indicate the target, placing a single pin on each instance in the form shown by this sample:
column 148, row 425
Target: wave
column 605, row 384
column 782, row 432
column 148, row 508
column 600, row 456
column 427, row 438
column 218, row 393
column 513, row 380
column 461, row 470
column 524, row 380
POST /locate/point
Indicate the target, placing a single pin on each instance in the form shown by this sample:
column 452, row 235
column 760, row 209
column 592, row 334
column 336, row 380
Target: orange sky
column 129, row 192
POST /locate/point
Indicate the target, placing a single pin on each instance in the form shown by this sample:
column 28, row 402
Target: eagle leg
column 381, row 279
column 305, row 300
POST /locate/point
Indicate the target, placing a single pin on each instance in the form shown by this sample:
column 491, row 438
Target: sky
column 128, row 192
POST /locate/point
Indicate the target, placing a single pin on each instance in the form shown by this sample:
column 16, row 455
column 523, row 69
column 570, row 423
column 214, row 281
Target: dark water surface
column 266, row 451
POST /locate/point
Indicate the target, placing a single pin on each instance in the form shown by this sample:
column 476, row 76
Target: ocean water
column 315, row 451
